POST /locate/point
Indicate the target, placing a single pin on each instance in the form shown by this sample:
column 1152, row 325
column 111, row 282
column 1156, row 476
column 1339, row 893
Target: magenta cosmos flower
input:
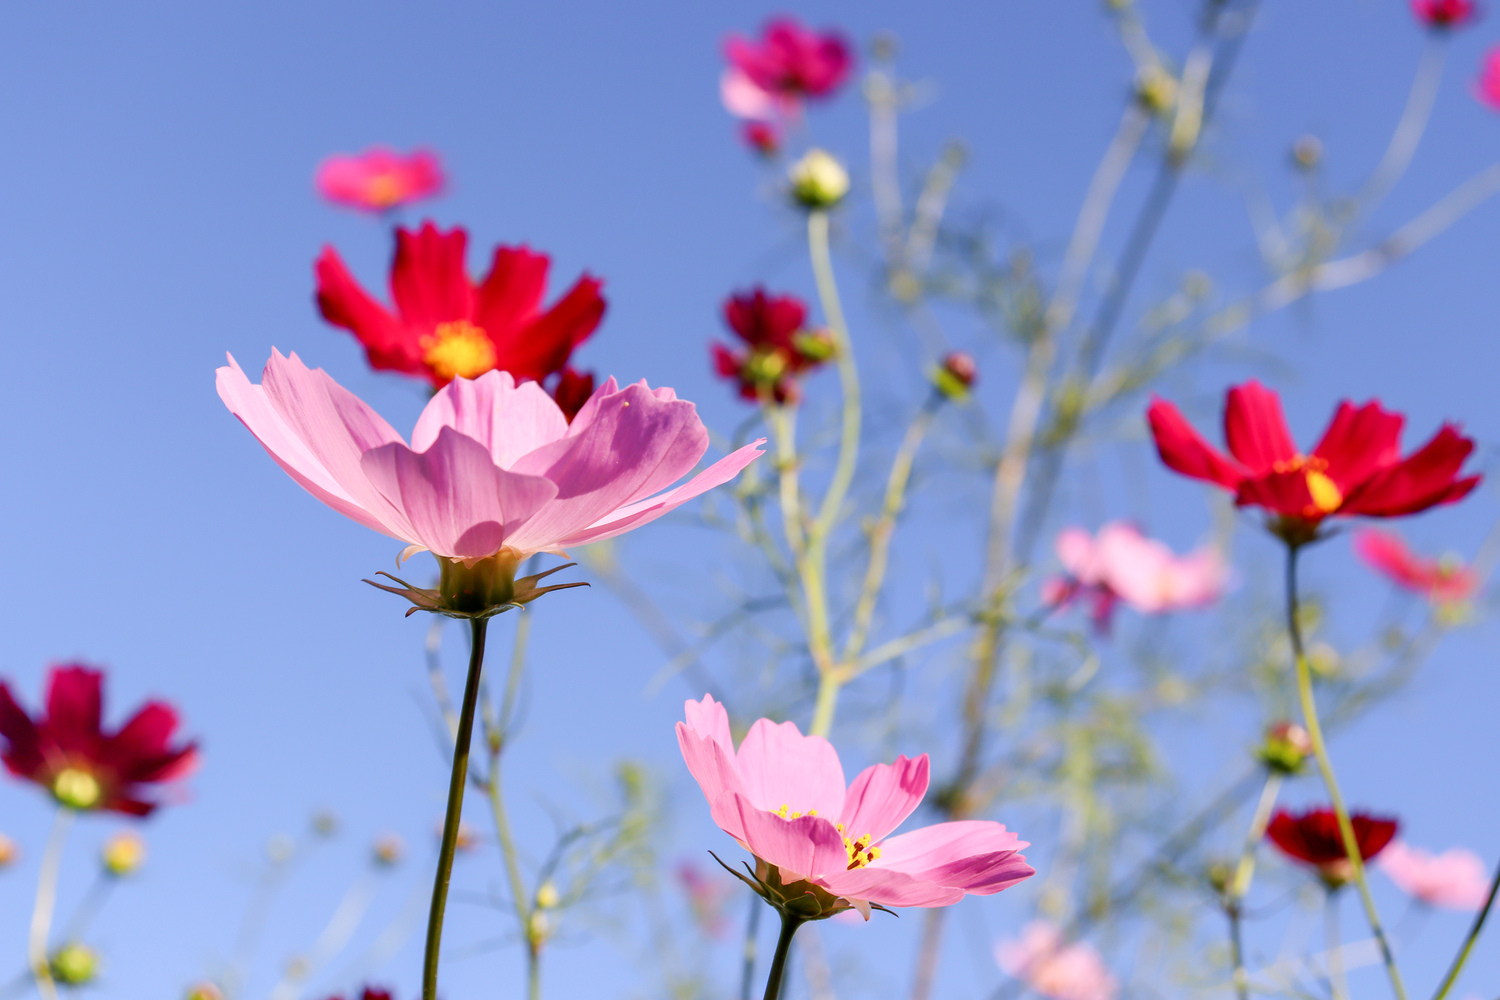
column 1054, row 969
column 782, row 796
column 494, row 471
column 379, row 180
column 791, row 61
column 1121, row 564
column 1487, row 87
column 68, row 752
column 1444, row 14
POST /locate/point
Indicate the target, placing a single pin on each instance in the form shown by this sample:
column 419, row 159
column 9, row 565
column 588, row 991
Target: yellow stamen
column 76, row 788
column 859, row 850
column 1325, row 495
column 384, row 191
column 458, row 350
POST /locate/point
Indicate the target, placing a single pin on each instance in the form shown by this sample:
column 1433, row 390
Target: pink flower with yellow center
column 783, row 797
column 379, row 180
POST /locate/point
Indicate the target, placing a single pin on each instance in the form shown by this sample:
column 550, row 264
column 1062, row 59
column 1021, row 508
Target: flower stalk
column 1463, row 952
column 789, row 925
column 46, row 903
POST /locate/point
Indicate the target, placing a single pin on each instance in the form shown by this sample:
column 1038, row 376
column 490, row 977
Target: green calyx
column 480, row 588
column 800, row 900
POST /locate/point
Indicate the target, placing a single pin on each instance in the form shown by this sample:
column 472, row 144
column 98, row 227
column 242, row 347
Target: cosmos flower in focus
column 1054, row 969
column 823, row 848
column 379, row 180
column 778, row 346
column 1487, row 87
column 1455, row 878
column 1122, row 565
column 446, row 326
column 68, row 752
column 1442, row 581
column 1356, row 469
column 1313, row 838
column 493, row 474
column 1444, row 14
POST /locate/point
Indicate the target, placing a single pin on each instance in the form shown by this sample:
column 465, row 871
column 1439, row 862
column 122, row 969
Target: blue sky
column 159, row 212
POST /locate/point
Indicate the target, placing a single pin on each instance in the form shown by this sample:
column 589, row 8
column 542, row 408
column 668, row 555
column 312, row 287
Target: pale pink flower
column 744, row 98
column 1443, row 581
column 1054, row 969
column 1455, row 879
column 783, row 797
column 491, row 465
column 1121, row 564
column 379, row 180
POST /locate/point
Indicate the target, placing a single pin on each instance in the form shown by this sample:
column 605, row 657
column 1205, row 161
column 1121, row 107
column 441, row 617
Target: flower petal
column 890, row 888
column 544, row 345
column 459, row 503
column 1183, row 449
column 808, row 846
column 508, row 419
column 943, row 843
column 23, row 750
column 388, row 343
column 1359, row 442
column 883, row 795
column 781, row 767
column 1422, row 480
column 511, row 293
column 1255, row 428
column 708, row 719
column 429, row 282
column 74, row 708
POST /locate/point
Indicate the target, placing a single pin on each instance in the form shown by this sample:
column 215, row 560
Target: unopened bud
column 538, row 928
column 547, row 896
column 9, row 851
column 819, row 180
column 1324, row 659
column 388, row 850
column 1307, row 152
column 956, row 375
column 123, row 854
column 325, row 823
column 1220, row 874
column 816, row 346
column 1156, row 90
column 74, row 964
column 468, row 837
column 204, row 991
column 1285, row 749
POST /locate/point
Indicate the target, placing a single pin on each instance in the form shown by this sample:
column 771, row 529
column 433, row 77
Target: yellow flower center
column 1326, row 496
column 458, row 350
column 384, row 191
column 858, row 849
column 76, row 788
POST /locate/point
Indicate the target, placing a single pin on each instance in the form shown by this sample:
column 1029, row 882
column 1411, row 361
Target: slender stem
column 1408, row 134
column 927, row 958
column 1468, row 945
column 789, row 927
column 829, row 684
column 752, row 927
column 1237, row 951
column 46, row 902
column 456, row 783
column 828, row 295
column 1244, row 870
column 1325, row 766
column 1333, row 945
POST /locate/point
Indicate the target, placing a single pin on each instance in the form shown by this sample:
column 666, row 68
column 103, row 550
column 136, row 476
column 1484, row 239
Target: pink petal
column 635, row 515
column 889, row 888
column 1075, row 549
column 882, row 796
column 744, row 98
column 982, row 875
column 712, row 766
column 781, row 767
column 943, row 843
column 459, row 503
column 354, row 499
column 708, row 719
column 630, row 445
column 510, row 420
column 807, row 847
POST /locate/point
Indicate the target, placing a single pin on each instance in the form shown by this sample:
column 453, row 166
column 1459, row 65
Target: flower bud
column 1220, row 874
column 547, row 896
column 538, row 929
column 1156, row 90
column 388, row 850
column 324, row 823
column 956, row 375
column 204, row 991
column 9, row 851
column 123, row 854
column 74, row 964
column 815, row 346
column 763, row 137
column 819, row 180
column 1285, row 749
column 1307, row 152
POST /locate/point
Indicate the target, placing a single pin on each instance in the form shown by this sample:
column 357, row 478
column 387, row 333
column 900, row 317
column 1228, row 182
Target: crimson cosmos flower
column 446, row 326
column 780, row 346
column 1444, row 14
column 69, row 753
column 379, row 180
column 790, row 60
column 1443, row 581
column 1314, row 839
column 1356, row 469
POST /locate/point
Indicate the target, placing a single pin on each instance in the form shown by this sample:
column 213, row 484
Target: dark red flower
column 1356, row 469
column 1444, row 13
column 445, row 325
column 68, row 753
column 572, row 389
column 791, row 61
column 370, row 993
column 1314, row 839
column 763, row 137
column 778, row 345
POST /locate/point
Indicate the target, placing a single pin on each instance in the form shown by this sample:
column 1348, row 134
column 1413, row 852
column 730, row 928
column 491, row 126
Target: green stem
column 46, row 902
column 828, row 695
column 789, row 925
column 493, row 788
column 1468, row 945
column 1239, row 884
column 747, row 956
column 1325, row 767
column 828, row 295
column 456, row 784
column 1333, row 944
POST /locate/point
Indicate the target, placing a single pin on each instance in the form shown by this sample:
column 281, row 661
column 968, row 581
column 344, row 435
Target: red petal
column 1424, row 479
column 1255, row 428
column 1184, row 450
column 1283, row 493
column 1359, row 443
column 544, row 345
column 23, row 753
column 429, row 282
column 511, row 294
column 167, row 767
column 146, row 735
column 343, row 303
column 74, row 707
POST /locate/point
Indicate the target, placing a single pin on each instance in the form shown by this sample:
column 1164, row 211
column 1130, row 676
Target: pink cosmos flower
column 1487, row 87
column 1442, row 581
column 493, row 468
column 1121, row 564
column 1455, row 879
column 379, row 180
column 783, row 797
column 1444, row 14
column 1053, row 969
column 791, row 61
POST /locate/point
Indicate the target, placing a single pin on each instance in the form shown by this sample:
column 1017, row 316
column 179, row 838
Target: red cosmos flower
column 68, row 753
column 446, row 325
column 1314, row 839
column 1439, row 580
column 1444, row 14
column 379, row 180
column 1356, row 469
column 1487, row 87
column 791, row 61
column 780, row 347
